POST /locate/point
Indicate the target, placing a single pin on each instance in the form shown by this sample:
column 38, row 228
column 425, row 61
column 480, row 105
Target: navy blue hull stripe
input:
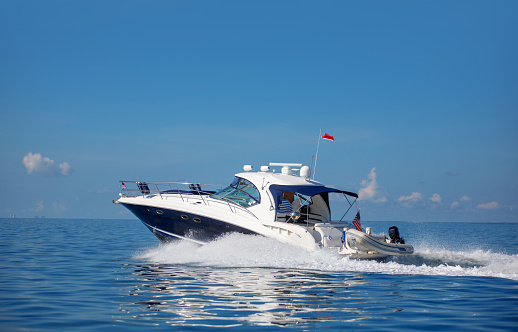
column 171, row 224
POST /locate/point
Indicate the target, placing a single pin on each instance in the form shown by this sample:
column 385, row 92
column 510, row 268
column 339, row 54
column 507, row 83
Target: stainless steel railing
column 183, row 190
column 141, row 188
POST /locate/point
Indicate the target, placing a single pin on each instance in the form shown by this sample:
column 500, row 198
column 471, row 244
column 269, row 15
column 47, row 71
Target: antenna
column 311, row 167
column 316, row 156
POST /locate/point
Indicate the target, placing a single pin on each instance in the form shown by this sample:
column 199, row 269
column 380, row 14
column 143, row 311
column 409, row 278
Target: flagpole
column 316, row 156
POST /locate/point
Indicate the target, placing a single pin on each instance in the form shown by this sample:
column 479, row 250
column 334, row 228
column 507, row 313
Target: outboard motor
column 394, row 235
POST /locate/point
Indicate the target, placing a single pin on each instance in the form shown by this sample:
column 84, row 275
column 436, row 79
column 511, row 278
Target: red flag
column 357, row 223
column 328, row 137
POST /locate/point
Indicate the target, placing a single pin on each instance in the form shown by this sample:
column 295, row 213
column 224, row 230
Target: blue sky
column 421, row 97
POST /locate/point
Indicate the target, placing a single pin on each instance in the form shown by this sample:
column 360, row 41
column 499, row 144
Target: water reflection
column 208, row 296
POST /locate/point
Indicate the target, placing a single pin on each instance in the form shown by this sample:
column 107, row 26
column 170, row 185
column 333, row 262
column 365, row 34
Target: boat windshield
column 241, row 192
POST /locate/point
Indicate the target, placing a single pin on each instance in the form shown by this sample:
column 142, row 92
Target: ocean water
column 63, row 275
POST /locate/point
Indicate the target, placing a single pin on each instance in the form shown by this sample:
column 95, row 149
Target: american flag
column 357, row 222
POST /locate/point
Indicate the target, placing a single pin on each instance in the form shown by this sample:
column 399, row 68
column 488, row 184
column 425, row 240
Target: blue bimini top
column 277, row 191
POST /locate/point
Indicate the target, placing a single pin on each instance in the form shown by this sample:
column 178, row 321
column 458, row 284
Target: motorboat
column 288, row 206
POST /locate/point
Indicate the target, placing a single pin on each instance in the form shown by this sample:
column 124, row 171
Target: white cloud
column 414, row 197
column 40, row 206
column 60, row 206
column 65, row 168
column 370, row 188
column 436, row 198
column 381, row 200
column 489, row 206
column 37, row 164
column 463, row 199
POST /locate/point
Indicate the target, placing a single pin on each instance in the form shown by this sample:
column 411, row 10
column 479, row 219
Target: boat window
column 249, row 188
column 241, row 191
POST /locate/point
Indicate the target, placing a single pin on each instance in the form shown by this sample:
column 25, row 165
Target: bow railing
column 141, row 188
column 186, row 191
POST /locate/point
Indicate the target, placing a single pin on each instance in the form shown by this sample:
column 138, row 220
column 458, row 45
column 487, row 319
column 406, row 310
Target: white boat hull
column 254, row 203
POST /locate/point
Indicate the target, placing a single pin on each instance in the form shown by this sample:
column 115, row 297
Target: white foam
column 237, row 250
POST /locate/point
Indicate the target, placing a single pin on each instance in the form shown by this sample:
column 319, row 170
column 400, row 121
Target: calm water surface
column 59, row 274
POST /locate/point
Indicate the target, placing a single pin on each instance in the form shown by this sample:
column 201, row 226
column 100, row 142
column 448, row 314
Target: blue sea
column 80, row 274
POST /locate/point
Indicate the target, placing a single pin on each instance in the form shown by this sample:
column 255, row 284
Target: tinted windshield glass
column 249, row 188
column 241, row 192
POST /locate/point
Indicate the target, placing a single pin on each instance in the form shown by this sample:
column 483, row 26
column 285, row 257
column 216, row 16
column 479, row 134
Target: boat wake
column 240, row 251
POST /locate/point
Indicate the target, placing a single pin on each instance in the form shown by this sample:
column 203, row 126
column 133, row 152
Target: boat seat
column 143, row 188
column 195, row 187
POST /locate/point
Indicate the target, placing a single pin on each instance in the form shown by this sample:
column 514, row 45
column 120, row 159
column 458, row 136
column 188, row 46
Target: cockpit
column 309, row 203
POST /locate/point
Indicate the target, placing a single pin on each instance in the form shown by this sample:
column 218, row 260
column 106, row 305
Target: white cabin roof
column 269, row 178
column 266, row 179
